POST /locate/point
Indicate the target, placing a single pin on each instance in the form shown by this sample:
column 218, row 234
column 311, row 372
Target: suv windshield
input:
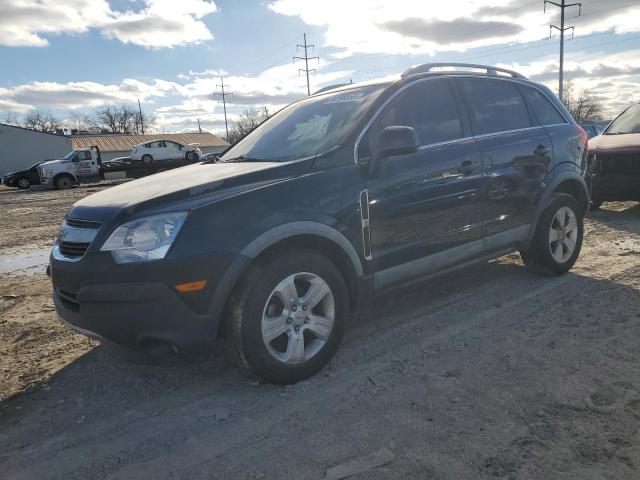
column 627, row 122
column 306, row 128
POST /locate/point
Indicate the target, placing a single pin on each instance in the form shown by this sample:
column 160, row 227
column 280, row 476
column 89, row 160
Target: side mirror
column 397, row 140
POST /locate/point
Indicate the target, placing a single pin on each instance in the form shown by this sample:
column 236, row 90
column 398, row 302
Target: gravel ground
column 491, row 372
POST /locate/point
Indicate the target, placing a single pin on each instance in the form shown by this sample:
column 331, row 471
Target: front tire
column 558, row 237
column 63, row 182
column 23, row 183
column 287, row 317
column 147, row 159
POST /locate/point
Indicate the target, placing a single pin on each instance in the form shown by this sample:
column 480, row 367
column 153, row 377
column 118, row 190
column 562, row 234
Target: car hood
column 184, row 188
column 51, row 162
column 628, row 143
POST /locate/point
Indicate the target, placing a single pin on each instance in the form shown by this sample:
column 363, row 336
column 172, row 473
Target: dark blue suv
column 351, row 190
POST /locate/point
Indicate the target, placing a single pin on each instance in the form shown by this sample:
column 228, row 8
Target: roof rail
column 330, row 87
column 428, row 67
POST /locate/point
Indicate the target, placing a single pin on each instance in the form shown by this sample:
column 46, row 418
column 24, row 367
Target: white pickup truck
column 77, row 166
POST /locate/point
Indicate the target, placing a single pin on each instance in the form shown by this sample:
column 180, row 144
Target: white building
column 20, row 147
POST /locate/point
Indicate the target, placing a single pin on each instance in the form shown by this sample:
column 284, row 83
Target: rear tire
column 23, row 183
column 147, row 159
column 63, row 182
column 287, row 317
column 558, row 237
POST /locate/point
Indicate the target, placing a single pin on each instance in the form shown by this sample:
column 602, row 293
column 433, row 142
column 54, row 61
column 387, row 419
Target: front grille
column 73, row 249
column 623, row 163
column 77, row 223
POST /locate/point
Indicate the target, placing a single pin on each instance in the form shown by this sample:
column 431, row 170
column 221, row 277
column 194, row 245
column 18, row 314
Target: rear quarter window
column 542, row 108
column 494, row 105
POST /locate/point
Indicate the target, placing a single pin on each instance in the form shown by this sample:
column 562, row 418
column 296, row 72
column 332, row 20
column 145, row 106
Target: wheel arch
column 311, row 235
column 64, row 174
column 569, row 182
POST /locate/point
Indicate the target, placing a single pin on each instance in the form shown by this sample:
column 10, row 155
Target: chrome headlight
column 144, row 239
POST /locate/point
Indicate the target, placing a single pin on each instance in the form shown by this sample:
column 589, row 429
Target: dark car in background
column 592, row 129
column 24, row 178
column 342, row 194
column 614, row 157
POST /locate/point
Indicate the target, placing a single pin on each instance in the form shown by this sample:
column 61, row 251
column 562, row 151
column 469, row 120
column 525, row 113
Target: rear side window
column 542, row 108
column 494, row 105
column 430, row 108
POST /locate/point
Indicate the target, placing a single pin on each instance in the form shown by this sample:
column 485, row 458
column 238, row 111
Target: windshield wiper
column 241, row 158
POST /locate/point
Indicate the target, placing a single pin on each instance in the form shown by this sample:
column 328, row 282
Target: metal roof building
column 109, row 144
column 21, row 147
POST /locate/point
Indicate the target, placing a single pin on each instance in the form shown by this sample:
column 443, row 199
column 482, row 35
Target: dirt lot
column 488, row 373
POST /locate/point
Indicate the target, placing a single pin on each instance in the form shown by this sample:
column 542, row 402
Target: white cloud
column 418, row 26
column 161, row 23
column 74, row 95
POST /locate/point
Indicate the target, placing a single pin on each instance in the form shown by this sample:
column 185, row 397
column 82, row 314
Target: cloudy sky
column 70, row 56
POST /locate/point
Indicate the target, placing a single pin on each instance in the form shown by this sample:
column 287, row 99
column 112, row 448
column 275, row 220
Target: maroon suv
column 615, row 159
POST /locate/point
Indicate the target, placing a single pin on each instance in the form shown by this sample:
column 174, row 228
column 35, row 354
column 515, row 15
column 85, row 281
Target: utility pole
column 141, row 120
column 199, row 129
column 562, row 6
column 306, row 59
column 224, row 96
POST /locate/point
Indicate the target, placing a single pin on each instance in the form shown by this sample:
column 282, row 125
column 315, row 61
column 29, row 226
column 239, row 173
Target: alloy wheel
column 563, row 234
column 298, row 318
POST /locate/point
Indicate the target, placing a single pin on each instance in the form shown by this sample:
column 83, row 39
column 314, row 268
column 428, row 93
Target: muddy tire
column 63, row 182
column 287, row 317
column 558, row 237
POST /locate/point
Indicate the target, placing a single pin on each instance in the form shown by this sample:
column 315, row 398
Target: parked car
column 345, row 193
column 24, row 178
column 615, row 159
column 165, row 150
column 210, row 157
column 116, row 164
column 592, row 129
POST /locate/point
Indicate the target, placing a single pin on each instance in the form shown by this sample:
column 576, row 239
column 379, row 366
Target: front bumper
column 137, row 305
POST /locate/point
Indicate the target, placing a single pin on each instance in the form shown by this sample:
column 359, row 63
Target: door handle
column 542, row 151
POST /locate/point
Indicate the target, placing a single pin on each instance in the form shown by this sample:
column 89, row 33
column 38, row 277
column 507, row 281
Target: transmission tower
column 224, row 96
column 306, row 59
column 562, row 6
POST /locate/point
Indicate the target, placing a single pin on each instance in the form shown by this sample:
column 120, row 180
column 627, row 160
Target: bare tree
column 9, row 118
column 42, row 120
column 246, row 122
column 584, row 106
column 145, row 123
column 122, row 119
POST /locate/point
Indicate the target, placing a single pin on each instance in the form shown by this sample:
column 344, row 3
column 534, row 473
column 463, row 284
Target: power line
column 224, row 96
column 306, row 59
column 562, row 6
